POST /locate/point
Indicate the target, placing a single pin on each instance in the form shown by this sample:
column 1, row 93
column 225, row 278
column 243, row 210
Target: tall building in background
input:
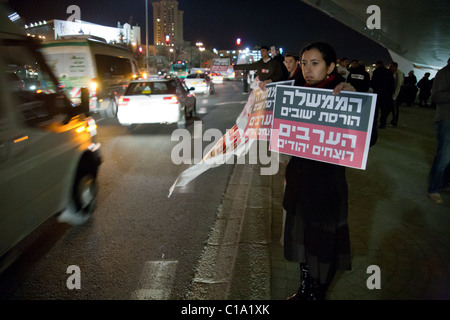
column 167, row 23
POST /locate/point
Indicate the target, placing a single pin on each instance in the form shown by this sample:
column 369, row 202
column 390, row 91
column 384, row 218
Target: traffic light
column 238, row 41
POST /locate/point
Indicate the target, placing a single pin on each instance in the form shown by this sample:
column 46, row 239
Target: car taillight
column 172, row 99
column 123, row 101
column 93, row 86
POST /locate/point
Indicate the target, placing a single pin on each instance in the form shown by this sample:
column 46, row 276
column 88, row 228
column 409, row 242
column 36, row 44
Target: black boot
column 317, row 290
column 302, row 292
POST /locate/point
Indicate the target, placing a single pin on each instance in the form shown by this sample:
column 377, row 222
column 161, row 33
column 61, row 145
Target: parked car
column 49, row 158
column 201, row 83
column 156, row 100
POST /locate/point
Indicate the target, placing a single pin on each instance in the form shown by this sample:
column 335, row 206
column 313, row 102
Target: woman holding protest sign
column 316, row 196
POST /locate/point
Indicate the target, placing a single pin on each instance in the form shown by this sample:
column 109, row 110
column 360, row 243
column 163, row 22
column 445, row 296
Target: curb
column 252, row 268
column 216, row 267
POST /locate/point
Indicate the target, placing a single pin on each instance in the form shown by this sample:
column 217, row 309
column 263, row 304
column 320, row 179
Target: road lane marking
column 231, row 102
column 156, row 280
column 202, row 110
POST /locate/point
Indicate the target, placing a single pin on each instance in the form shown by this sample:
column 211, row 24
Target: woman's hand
column 343, row 86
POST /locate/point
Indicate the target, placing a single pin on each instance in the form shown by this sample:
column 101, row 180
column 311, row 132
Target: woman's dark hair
column 327, row 51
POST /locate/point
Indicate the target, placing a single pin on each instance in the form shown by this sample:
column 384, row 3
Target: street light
column 201, row 48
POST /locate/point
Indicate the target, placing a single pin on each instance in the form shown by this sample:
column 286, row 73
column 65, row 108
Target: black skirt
column 316, row 228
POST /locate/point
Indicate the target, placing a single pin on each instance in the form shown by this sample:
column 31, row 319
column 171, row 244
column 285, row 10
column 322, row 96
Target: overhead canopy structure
column 415, row 32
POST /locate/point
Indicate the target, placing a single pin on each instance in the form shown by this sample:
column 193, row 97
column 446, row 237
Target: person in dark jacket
column 424, row 85
column 276, row 54
column 398, row 83
column 409, row 90
column 358, row 77
column 383, row 84
column 440, row 170
column 267, row 69
column 292, row 62
column 316, row 230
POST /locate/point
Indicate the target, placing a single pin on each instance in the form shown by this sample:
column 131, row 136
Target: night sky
column 289, row 24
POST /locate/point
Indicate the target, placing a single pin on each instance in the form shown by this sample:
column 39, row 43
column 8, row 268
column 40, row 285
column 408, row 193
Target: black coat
column 383, row 81
column 298, row 78
column 359, row 78
column 425, row 88
column 316, row 204
column 265, row 70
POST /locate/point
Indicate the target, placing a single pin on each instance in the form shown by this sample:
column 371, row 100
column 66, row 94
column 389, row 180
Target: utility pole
column 146, row 35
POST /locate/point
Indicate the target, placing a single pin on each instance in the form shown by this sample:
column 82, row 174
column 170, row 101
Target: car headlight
column 90, row 126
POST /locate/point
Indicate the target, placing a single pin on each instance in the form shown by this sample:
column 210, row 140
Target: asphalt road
column 139, row 244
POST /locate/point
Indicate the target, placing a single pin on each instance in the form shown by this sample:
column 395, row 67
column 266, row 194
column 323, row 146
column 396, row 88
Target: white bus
column 104, row 68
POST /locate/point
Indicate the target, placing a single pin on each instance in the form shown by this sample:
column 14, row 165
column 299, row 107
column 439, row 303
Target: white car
column 200, row 82
column 156, row 100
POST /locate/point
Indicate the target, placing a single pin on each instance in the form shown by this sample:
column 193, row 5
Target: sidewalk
column 393, row 224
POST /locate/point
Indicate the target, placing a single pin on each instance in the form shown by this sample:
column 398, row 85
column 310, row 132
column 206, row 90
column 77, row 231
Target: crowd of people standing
column 387, row 81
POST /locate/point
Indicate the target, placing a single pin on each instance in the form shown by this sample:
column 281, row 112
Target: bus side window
column 113, row 66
